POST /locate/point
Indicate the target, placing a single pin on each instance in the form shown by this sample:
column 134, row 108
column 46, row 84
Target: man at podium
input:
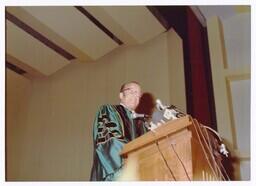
column 114, row 126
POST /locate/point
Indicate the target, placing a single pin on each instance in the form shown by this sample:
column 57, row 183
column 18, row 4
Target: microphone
column 165, row 113
column 159, row 105
column 136, row 115
column 158, row 115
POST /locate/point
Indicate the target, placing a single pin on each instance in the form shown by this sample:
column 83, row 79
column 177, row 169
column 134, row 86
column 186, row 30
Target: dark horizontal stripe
column 159, row 16
column 15, row 68
column 39, row 36
column 99, row 25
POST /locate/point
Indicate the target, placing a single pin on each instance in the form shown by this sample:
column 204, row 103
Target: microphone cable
column 205, row 154
column 219, row 167
column 165, row 160
column 175, row 152
column 211, row 154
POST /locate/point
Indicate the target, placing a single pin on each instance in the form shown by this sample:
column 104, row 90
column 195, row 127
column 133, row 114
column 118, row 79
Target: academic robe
column 113, row 127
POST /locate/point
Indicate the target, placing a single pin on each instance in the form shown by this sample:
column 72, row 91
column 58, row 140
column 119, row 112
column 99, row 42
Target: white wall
column 229, row 43
column 237, row 35
column 57, row 135
column 18, row 91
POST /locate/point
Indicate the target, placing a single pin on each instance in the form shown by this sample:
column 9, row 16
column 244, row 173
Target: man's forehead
column 132, row 85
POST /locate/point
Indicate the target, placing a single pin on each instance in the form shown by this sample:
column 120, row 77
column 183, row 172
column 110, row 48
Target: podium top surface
column 160, row 132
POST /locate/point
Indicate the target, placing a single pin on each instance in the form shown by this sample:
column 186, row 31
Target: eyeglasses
column 133, row 92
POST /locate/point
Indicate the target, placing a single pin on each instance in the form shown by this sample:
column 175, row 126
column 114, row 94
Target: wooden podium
column 164, row 154
column 168, row 153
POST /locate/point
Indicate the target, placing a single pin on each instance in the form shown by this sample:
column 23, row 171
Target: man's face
column 130, row 96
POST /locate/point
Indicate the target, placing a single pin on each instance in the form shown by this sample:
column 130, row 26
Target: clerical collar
column 132, row 111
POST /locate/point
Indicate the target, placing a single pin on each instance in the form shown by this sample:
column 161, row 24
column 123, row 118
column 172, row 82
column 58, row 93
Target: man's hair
column 124, row 85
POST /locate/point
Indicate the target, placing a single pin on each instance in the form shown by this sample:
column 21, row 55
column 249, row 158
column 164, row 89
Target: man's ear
column 121, row 95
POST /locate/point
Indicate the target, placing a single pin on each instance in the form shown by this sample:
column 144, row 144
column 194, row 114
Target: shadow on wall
column 147, row 104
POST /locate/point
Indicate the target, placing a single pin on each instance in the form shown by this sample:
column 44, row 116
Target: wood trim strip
column 238, row 77
column 209, row 81
column 231, row 113
column 15, row 68
column 39, row 36
column 223, row 48
column 30, row 71
column 98, row 24
column 229, row 79
column 244, row 159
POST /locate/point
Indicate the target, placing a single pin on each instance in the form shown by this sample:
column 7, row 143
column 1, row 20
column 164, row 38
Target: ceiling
column 223, row 11
column 41, row 40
